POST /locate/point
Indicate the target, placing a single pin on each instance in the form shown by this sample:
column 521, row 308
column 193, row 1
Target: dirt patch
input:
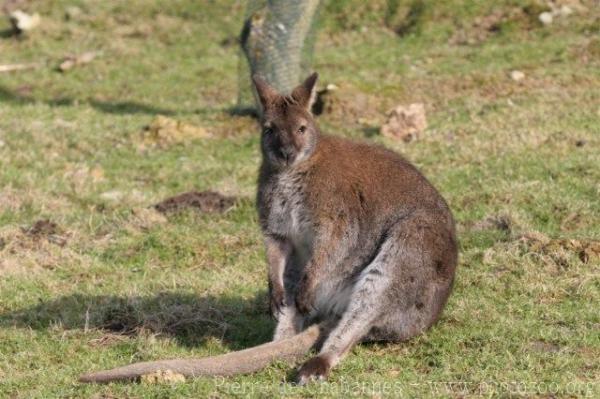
column 46, row 229
column 107, row 340
column 575, row 221
column 559, row 249
column 405, row 123
column 480, row 30
column 204, row 201
column 345, row 103
column 10, row 200
column 80, row 175
column 164, row 132
column 146, row 218
column 15, row 200
column 493, row 222
column 235, row 123
column 543, row 346
column 405, row 18
column 589, row 51
column 43, row 245
column 484, row 27
column 42, row 228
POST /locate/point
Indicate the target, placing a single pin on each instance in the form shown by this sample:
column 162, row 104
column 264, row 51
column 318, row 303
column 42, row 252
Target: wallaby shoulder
column 364, row 178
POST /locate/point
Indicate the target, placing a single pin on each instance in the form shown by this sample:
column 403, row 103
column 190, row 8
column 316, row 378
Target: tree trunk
column 274, row 38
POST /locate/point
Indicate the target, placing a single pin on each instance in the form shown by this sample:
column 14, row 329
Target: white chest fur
column 288, row 215
column 290, row 218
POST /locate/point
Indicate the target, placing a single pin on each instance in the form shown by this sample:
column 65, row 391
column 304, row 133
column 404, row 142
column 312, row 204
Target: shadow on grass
column 7, row 34
column 190, row 319
column 116, row 107
column 243, row 111
column 128, row 107
column 370, row 131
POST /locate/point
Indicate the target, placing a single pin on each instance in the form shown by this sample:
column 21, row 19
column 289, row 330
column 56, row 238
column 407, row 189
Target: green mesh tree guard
column 277, row 42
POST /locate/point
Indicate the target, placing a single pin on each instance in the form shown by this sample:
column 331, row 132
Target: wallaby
column 359, row 245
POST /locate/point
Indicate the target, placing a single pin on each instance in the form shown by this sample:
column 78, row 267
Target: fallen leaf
column 73, row 61
column 23, row 22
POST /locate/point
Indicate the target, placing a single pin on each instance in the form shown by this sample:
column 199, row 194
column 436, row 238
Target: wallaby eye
column 267, row 131
column 302, row 129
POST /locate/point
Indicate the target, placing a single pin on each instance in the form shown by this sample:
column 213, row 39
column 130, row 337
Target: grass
column 116, row 283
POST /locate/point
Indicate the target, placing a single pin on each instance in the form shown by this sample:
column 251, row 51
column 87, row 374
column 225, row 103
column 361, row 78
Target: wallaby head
column 289, row 131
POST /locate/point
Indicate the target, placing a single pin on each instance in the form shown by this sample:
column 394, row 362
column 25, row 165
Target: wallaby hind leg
column 400, row 294
column 362, row 310
column 289, row 322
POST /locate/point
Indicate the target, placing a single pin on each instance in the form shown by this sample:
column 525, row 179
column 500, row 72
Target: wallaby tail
column 240, row 362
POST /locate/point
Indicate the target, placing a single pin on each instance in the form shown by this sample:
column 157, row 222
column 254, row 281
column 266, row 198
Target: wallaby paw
column 316, row 369
column 304, row 303
column 277, row 302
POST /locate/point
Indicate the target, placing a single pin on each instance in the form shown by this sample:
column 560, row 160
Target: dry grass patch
column 42, row 246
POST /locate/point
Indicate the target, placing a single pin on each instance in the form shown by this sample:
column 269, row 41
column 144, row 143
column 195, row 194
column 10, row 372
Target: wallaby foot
column 316, row 369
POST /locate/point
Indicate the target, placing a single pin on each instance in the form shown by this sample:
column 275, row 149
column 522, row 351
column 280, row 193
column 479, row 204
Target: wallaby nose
column 286, row 153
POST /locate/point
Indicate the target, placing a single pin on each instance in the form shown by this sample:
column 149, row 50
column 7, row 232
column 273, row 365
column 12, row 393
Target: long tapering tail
column 240, row 362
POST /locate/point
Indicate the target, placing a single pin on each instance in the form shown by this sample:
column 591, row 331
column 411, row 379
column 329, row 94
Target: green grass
column 128, row 285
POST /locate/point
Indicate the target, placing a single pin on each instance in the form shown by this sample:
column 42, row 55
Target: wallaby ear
column 305, row 94
column 266, row 94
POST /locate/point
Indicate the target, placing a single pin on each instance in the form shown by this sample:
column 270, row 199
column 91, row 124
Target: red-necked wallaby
column 360, row 246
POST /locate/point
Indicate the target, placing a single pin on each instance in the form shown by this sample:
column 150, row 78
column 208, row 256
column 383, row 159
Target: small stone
column 546, row 18
column 113, row 195
column 2, row 143
column 72, row 13
column 23, row 22
column 517, row 76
